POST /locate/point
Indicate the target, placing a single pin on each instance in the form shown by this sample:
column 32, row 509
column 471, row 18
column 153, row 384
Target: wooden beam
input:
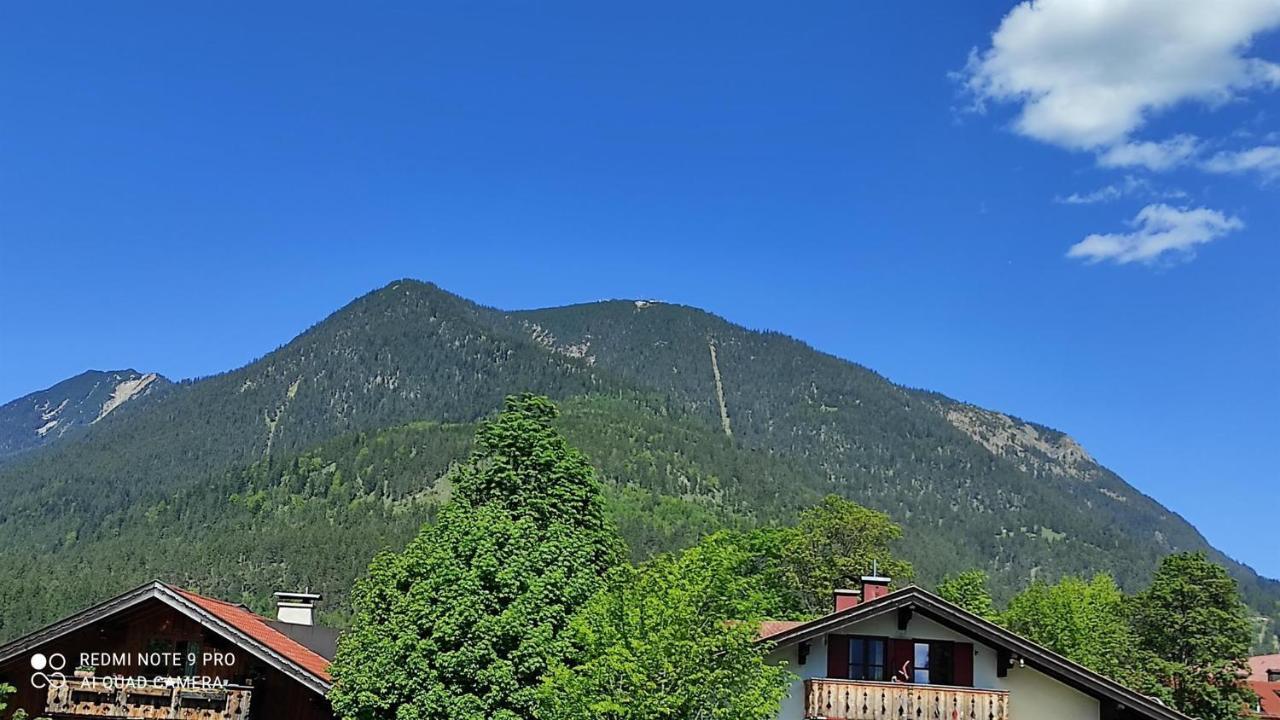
column 904, row 617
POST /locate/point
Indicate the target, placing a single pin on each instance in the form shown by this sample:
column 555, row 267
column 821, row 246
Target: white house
column 910, row 655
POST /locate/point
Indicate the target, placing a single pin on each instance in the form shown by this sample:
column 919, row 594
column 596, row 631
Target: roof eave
column 160, row 591
column 1040, row 658
column 74, row 622
column 265, row 653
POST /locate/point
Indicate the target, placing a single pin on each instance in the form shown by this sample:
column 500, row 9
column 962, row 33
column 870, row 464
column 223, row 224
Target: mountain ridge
column 972, row 487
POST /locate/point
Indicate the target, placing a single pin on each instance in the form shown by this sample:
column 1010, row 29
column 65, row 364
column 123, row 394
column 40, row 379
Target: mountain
column 976, row 487
column 296, row 468
column 47, row 415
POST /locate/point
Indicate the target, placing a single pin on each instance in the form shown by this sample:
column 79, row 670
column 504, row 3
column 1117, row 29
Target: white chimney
column 296, row 608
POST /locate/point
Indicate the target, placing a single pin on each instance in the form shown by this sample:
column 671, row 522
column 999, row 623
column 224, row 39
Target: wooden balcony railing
column 94, row 697
column 861, row 700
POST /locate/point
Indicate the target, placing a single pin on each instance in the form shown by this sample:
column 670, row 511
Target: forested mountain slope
column 977, row 487
column 257, row 478
column 407, row 352
column 314, row 520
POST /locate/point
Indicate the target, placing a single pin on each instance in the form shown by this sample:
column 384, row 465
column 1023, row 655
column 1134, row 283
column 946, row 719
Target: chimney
column 845, row 598
column 874, row 586
column 296, row 608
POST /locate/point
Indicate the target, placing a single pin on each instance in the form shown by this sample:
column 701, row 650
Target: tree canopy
column 969, row 590
column 832, row 546
column 1085, row 620
column 670, row 640
column 466, row 620
column 1195, row 633
column 1184, row 639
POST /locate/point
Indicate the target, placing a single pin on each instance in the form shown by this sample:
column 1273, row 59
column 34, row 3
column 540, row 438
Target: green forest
column 519, row 601
column 294, row 470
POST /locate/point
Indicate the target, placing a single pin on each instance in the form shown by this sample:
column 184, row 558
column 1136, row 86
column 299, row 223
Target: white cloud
column 1159, row 231
column 1154, row 156
column 1264, row 159
column 1088, row 73
column 1128, row 187
column 1107, row 193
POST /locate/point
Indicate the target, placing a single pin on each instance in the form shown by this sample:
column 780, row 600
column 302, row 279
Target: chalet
column 160, row 651
column 1264, row 680
column 909, row 654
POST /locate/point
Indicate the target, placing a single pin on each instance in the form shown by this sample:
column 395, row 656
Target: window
column 867, row 658
column 933, row 663
column 921, row 663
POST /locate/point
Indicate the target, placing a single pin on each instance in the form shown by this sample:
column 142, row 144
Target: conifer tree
column 1194, row 629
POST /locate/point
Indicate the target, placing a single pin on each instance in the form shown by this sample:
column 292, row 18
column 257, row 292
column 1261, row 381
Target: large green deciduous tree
column 969, row 590
column 675, row 639
column 463, row 624
column 1087, row 621
column 672, row 640
column 1194, row 628
column 832, row 546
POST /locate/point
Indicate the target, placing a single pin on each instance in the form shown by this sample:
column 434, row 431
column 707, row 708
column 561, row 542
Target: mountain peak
column 412, row 286
column 46, row 415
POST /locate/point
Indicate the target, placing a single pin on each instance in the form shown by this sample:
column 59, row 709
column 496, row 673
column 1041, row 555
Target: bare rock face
column 1043, row 453
column 1030, row 446
column 47, row 415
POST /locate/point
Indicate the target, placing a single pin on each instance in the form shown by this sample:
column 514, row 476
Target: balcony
column 862, row 700
column 88, row 697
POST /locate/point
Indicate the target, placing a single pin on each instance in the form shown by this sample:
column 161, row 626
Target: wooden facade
column 226, row 681
column 103, row 697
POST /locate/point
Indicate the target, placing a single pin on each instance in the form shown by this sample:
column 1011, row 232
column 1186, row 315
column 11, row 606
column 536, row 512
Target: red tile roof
column 1260, row 664
column 1269, row 693
column 256, row 627
column 769, row 628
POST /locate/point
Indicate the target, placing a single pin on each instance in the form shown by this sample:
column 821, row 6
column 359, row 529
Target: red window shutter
column 962, row 672
column 901, row 654
column 838, row 657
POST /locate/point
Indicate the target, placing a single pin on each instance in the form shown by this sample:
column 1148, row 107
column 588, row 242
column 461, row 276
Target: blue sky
column 1062, row 213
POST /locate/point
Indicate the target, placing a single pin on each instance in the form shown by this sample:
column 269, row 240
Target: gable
column 1031, row 693
column 99, row 630
column 1055, row 680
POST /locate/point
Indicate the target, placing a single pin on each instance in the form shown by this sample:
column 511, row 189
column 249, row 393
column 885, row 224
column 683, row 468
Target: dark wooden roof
column 234, row 622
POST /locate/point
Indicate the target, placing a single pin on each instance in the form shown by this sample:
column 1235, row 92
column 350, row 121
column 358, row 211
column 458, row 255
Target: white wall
column 815, row 667
column 1036, row 696
column 1032, row 695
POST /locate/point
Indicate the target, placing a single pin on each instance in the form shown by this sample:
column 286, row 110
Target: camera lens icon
column 55, row 663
